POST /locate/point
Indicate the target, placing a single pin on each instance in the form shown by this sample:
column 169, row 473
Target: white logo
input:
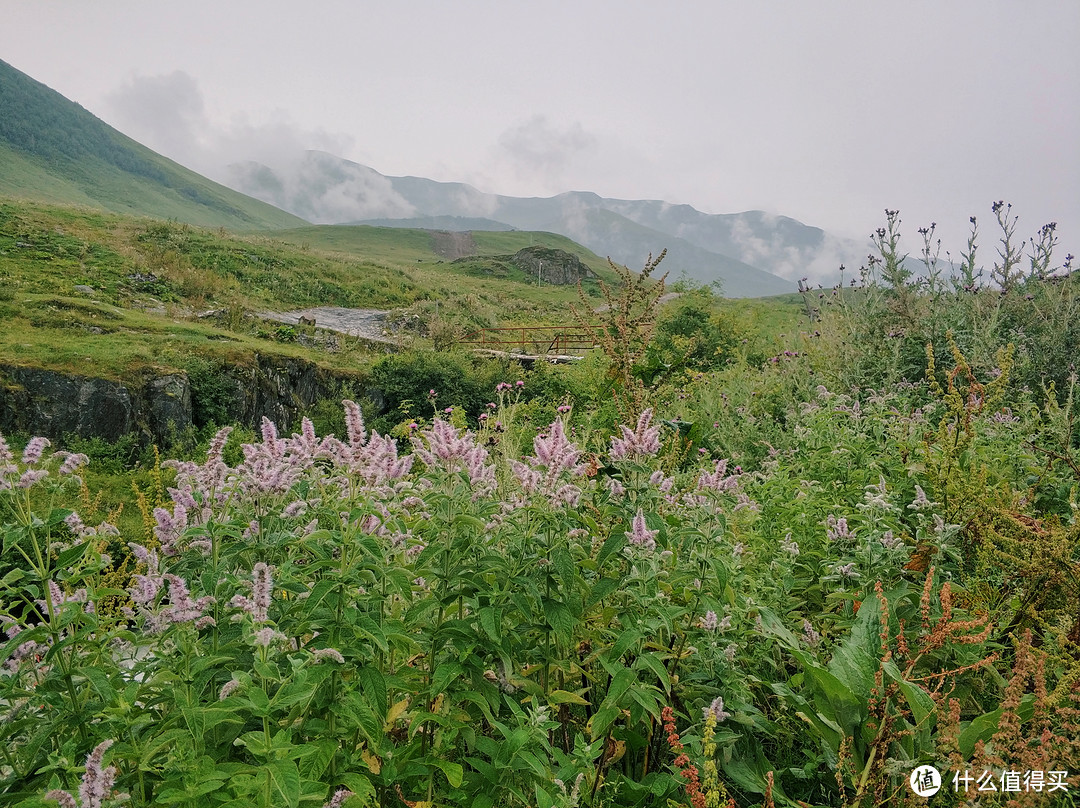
column 925, row 781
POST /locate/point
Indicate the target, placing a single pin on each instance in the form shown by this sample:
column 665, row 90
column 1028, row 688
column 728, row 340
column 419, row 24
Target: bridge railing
column 541, row 340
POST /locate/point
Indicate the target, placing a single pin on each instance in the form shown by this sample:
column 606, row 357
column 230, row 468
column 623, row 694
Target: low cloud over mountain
column 750, row 253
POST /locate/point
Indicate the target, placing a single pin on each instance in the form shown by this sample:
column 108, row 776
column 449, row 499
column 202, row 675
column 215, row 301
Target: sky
column 827, row 112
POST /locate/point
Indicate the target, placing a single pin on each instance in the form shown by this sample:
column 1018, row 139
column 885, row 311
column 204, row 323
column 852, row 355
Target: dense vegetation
column 703, row 567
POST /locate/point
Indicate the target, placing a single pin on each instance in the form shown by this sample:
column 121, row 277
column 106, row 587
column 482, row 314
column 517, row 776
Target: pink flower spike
column 97, row 782
column 640, row 535
column 32, row 452
column 339, row 798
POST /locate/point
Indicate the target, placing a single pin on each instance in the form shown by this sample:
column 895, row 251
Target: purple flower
column 33, row 450
column 328, row 653
column 31, row 477
column 718, row 479
column 258, row 605
column 920, row 503
column 640, row 535
column 267, row 636
column 97, row 782
column 446, row 448
column 643, row 441
column 847, row 571
column 716, row 711
column 72, row 462
column 709, row 622
column 339, row 798
column 810, row 634
column 837, row 529
column 228, row 689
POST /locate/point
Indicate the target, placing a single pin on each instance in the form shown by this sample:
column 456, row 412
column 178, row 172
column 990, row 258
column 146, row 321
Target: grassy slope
column 53, row 150
column 150, row 278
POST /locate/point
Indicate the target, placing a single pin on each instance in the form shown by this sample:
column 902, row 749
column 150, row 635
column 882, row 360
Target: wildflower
column 810, row 634
column 847, row 571
column 890, row 540
column 72, row 462
column 228, row 689
column 181, row 608
column 258, row 604
column 615, row 488
column 643, row 441
column 451, row 450
column 328, row 653
column 743, row 501
column 97, row 782
column 716, row 710
column 790, row 547
column 34, row 449
column 920, row 503
column 738, row 550
column 31, row 477
column 718, row 479
column 837, row 529
column 709, row 622
column 640, row 535
column 339, row 798
column 730, row 653
column 267, row 636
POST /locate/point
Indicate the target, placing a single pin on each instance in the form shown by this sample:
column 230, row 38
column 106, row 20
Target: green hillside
column 81, row 289
column 53, row 150
column 408, row 245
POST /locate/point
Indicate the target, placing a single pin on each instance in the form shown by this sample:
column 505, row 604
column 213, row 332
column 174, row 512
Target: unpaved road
column 366, row 323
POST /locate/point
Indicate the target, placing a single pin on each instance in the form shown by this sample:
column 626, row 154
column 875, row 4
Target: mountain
column 751, row 253
column 52, row 150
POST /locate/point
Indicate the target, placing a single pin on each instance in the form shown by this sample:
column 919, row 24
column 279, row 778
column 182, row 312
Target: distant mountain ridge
column 52, row 150
column 751, row 253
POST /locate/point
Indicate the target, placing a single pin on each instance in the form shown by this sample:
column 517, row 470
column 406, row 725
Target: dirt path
column 368, row 324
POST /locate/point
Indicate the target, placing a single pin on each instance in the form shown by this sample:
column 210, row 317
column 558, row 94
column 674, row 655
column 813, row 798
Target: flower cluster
column 97, row 782
column 643, row 441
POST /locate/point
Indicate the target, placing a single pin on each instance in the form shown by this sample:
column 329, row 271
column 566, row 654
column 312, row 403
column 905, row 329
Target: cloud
column 543, row 154
column 168, row 113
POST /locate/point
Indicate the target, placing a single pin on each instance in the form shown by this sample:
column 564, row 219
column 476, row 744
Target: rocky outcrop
column 51, row 403
column 554, row 267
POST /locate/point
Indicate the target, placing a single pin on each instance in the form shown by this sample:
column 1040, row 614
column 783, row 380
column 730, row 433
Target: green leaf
column 565, row 697
column 564, row 564
column 602, row 719
column 285, row 780
column 653, row 663
column 453, row 771
column 360, row 786
column 71, row 555
column 560, row 619
column 543, row 799
column 614, row 544
column 983, row 727
column 919, row 702
column 629, row 637
column 602, row 588
column 490, row 620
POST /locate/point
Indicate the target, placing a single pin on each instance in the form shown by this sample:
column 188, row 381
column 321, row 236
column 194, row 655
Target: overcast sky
column 828, row 112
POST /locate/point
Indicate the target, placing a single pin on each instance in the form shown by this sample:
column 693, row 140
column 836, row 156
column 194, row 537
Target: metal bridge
column 551, row 343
